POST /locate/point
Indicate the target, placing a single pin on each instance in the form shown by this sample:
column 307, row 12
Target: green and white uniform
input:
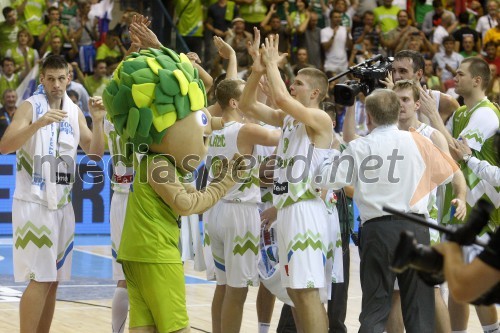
column 302, row 222
column 262, row 154
column 121, row 180
column 233, row 224
column 43, row 220
column 478, row 126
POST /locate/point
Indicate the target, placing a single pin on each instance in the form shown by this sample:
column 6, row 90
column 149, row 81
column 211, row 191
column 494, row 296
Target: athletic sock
column 493, row 328
column 119, row 310
column 264, row 327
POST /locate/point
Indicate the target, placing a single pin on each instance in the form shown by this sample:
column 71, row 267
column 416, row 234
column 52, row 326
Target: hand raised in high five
column 141, row 35
column 254, row 51
column 225, row 50
column 270, row 52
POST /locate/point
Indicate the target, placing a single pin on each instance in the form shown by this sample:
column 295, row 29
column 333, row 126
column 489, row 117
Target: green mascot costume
column 156, row 102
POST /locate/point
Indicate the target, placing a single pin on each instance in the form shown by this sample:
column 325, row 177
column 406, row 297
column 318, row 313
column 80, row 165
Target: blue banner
column 91, row 194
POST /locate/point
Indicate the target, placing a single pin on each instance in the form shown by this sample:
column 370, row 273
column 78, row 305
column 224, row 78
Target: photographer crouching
column 468, row 282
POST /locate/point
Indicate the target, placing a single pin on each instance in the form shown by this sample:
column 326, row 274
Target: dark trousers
column 337, row 306
column 378, row 243
column 286, row 323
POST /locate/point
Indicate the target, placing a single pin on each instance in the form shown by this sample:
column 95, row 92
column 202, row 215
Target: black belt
column 390, row 218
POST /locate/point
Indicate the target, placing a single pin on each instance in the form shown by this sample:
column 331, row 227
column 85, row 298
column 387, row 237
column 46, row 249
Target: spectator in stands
column 367, row 29
column 468, row 44
column 219, row 17
column 493, row 35
column 54, row 45
column 464, row 31
column 297, row 22
column 54, row 28
column 83, row 95
column 189, row 14
column 318, row 7
column 97, row 82
column 398, row 38
column 217, row 23
column 31, row 12
column 419, row 10
column 442, row 31
column 302, row 61
column 490, row 50
column 386, row 16
column 84, row 31
column 23, row 51
column 475, row 11
column 312, row 42
column 69, row 10
column 362, row 52
column 101, row 10
column 121, row 28
column 488, row 21
column 432, row 78
column 347, row 12
column 112, row 50
column 9, row 99
column 238, row 39
column 493, row 90
column 449, row 60
column 433, row 18
column 9, row 79
column 336, row 39
column 272, row 25
column 9, row 30
column 253, row 13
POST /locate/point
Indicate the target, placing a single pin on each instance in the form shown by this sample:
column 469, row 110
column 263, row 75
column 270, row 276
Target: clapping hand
column 225, row 50
column 254, row 51
column 270, row 52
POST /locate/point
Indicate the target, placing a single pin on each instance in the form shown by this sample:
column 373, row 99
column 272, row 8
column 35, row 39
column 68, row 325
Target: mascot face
column 157, row 102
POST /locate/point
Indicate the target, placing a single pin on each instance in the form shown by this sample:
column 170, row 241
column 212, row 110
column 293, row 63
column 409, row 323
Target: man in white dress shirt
column 488, row 21
column 400, row 169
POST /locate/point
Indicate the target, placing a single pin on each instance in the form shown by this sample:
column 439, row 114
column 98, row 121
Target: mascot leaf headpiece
column 149, row 92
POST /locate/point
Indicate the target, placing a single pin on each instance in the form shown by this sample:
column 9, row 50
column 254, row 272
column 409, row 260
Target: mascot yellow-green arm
column 156, row 102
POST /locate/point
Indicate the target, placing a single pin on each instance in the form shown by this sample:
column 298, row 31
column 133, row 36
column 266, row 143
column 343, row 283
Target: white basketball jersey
column 222, row 145
column 297, row 163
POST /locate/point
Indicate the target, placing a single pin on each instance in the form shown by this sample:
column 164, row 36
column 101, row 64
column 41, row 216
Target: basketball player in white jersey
column 306, row 138
column 122, row 178
column 233, row 224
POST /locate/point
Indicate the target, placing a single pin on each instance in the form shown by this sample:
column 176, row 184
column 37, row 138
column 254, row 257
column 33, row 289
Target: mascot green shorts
column 157, row 295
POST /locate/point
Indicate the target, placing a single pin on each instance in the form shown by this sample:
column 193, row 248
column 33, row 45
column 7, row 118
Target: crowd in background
column 325, row 34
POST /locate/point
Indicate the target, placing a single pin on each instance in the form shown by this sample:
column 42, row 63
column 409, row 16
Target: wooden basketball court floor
column 84, row 303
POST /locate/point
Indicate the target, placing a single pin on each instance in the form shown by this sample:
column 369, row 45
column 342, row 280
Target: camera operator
column 397, row 167
column 467, row 282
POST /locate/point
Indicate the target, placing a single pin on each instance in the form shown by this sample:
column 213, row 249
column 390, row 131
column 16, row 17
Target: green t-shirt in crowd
column 95, row 87
column 191, row 18
column 33, row 14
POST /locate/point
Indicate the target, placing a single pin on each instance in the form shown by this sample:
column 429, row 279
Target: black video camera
column 427, row 261
column 369, row 72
